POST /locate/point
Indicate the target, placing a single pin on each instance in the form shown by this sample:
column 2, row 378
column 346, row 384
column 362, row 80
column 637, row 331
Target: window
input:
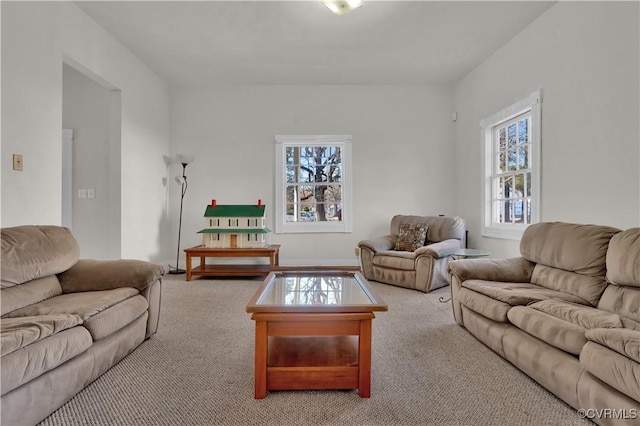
column 313, row 184
column 511, row 169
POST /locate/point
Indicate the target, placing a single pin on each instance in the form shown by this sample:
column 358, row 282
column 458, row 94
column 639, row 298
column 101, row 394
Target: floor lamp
column 183, row 190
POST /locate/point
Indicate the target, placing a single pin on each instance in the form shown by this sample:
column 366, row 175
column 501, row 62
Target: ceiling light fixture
column 340, row 7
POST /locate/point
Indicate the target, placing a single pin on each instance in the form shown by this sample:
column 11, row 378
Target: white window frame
column 489, row 226
column 284, row 227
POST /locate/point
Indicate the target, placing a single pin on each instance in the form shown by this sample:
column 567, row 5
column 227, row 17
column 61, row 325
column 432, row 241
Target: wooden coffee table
column 313, row 331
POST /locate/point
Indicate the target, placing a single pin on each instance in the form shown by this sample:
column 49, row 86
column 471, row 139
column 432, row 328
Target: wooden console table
column 272, row 252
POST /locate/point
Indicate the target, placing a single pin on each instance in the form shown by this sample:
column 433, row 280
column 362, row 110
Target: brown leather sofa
column 65, row 321
column 424, row 268
column 566, row 312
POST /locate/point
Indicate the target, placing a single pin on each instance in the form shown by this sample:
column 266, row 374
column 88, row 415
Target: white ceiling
column 302, row 42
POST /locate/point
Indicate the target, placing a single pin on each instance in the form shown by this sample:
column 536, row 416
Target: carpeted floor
column 198, row 370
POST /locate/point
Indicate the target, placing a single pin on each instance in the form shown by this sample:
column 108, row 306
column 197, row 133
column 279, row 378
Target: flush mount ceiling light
column 340, row 7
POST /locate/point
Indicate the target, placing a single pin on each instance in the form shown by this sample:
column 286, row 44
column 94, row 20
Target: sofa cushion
column 85, row 304
column 518, row 293
column 411, row 236
column 116, row 317
column 561, row 324
column 625, row 342
column 404, row 260
column 16, row 333
column 572, row 247
column 583, row 316
column 26, row 294
column 551, row 330
column 623, row 258
column 32, row 252
column 583, row 286
column 611, row 367
column 29, row 362
column 483, row 305
column 622, row 300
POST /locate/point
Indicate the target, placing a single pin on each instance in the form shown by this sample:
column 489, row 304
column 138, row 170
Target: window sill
column 503, row 232
column 304, row 228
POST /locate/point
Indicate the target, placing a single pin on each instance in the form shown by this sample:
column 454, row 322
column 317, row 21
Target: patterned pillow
column 411, row 237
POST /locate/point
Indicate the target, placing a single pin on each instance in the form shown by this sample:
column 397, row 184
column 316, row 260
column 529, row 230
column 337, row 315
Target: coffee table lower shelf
column 318, row 362
column 230, row 270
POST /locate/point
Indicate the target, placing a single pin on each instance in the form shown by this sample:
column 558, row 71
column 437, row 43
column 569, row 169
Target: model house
column 234, row 225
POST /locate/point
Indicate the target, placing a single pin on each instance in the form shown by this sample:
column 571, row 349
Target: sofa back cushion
column 577, row 248
column 623, row 258
column 570, row 258
column 30, row 252
column 622, row 295
column 440, row 228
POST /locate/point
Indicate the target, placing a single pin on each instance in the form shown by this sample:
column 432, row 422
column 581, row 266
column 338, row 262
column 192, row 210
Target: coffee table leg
column 188, row 267
column 364, row 361
column 261, row 360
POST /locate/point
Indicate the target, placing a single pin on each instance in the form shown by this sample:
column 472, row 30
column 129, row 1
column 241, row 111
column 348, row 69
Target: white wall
column 585, row 57
column 403, row 154
column 36, row 38
column 408, row 156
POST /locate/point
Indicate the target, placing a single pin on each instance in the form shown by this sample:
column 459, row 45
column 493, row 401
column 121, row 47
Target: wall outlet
column 17, row 162
column 356, row 251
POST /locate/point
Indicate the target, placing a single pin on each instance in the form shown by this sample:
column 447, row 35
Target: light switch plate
column 17, row 162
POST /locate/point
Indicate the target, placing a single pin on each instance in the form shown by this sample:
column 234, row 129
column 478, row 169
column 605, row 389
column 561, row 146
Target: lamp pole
column 183, row 188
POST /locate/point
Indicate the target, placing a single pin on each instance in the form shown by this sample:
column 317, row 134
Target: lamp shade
column 184, row 159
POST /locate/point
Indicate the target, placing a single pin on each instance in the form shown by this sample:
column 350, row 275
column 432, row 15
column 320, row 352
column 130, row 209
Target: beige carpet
column 198, row 370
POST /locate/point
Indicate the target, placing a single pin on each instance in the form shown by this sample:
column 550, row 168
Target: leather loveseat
column 65, row 321
column 566, row 312
column 422, row 267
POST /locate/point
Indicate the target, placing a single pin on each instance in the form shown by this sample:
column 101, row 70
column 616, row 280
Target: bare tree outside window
column 313, row 183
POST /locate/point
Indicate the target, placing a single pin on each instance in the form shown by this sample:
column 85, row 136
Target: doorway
column 91, row 181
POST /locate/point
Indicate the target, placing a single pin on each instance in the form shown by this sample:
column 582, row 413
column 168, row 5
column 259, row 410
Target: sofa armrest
column 439, row 249
column 515, row 269
column 378, row 244
column 92, row 275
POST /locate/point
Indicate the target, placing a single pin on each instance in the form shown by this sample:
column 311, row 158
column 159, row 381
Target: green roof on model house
column 234, row 231
column 234, row 210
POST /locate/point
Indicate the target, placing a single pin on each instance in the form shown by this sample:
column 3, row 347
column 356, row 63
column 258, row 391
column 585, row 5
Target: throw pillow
column 411, row 236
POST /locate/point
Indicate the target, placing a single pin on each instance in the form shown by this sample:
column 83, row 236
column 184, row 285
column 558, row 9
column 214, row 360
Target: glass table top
column 288, row 291
column 465, row 253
